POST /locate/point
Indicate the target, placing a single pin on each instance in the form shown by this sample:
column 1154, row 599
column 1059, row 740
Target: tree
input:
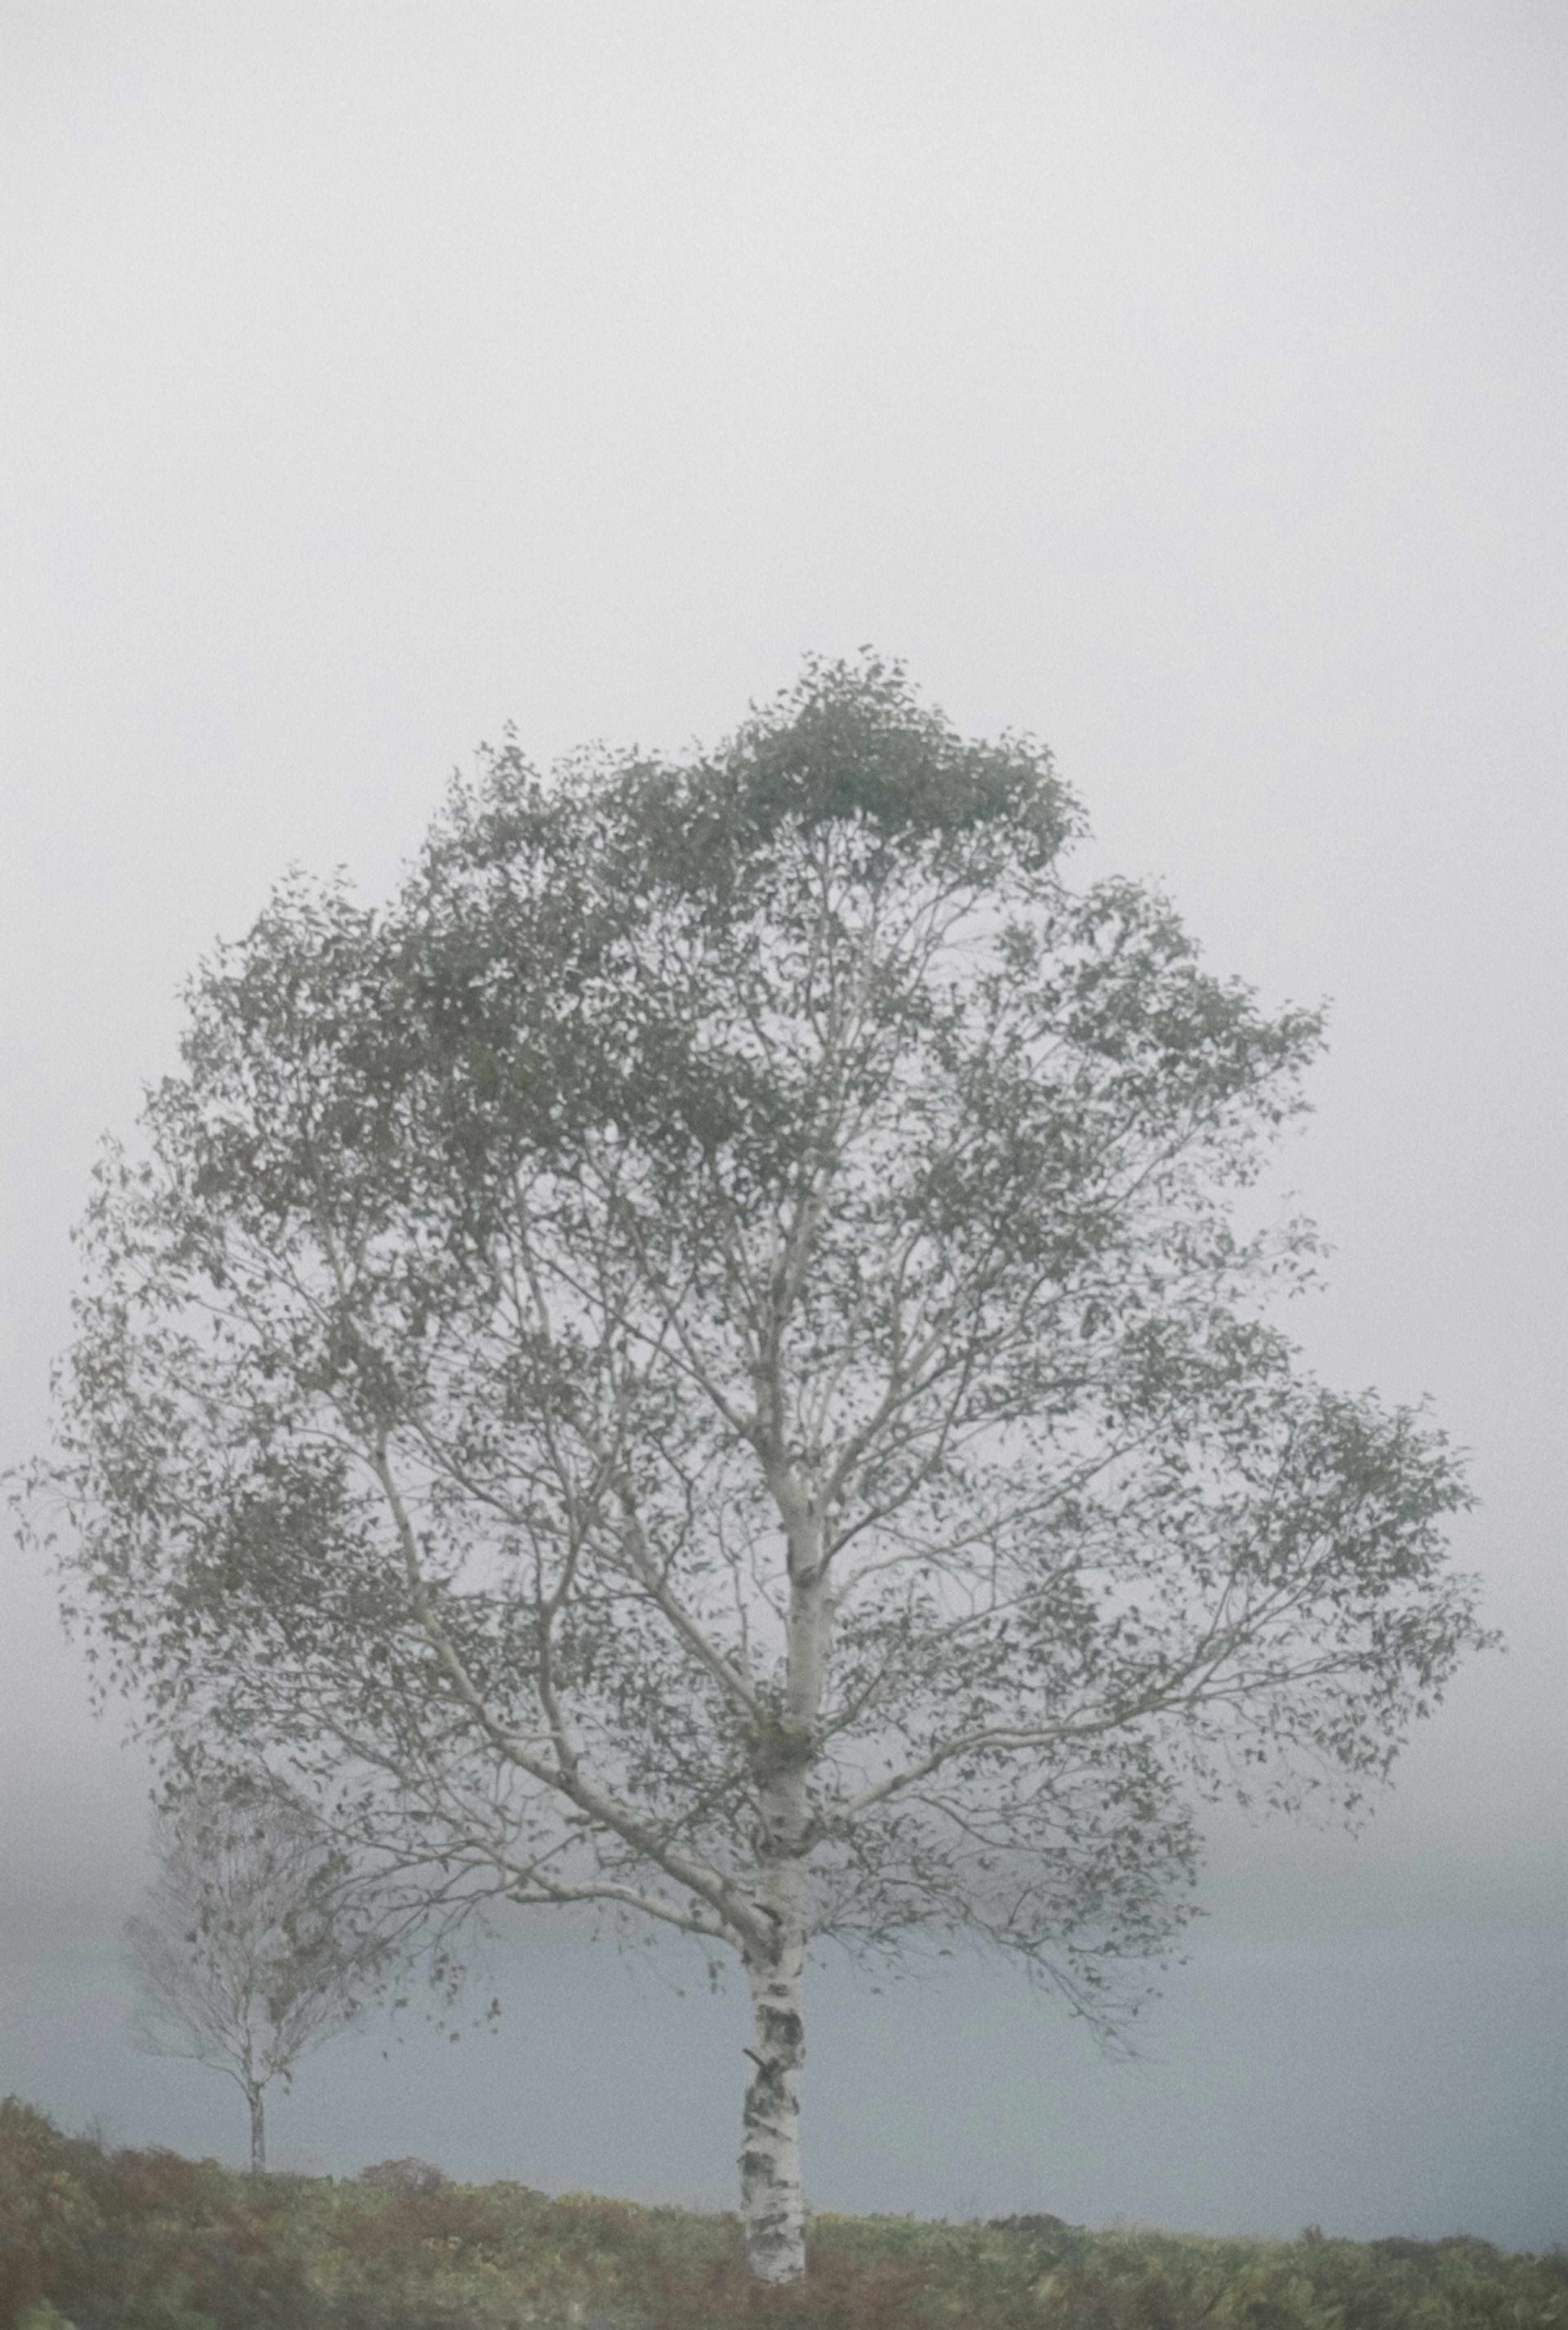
column 253, row 1949
column 699, row 1363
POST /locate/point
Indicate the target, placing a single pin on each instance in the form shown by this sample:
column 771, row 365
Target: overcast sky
column 1184, row 382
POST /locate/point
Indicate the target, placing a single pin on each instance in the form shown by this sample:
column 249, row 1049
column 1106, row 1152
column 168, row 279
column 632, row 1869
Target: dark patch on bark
column 781, row 2028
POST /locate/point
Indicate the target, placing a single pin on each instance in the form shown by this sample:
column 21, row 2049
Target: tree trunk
column 772, row 2207
column 772, row 2210
column 257, row 2129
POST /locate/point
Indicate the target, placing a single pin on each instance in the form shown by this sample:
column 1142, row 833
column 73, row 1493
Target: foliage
column 145, row 2240
column 142, row 2240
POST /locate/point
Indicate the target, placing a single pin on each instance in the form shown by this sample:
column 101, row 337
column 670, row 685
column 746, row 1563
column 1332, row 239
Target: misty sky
column 1184, row 382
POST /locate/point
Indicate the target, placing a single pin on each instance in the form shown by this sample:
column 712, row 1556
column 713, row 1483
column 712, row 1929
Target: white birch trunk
column 772, row 2205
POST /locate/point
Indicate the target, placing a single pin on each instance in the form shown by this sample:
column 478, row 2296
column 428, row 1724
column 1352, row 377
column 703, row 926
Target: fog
column 1182, row 383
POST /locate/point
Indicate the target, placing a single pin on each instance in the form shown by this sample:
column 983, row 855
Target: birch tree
column 252, row 1949
column 701, row 1362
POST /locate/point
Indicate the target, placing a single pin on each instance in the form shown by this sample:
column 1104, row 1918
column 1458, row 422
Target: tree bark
column 253, row 2096
column 772, row 2209
column 772, row 2206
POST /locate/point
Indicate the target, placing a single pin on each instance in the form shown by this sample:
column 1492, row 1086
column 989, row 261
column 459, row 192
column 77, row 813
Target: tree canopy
column 700, row 1361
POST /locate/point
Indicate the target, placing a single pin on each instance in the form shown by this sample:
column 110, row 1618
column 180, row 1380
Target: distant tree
column 252, row 1950
column 699, row 1364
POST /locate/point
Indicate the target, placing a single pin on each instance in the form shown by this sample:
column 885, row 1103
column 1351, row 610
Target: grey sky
column 1184, row 383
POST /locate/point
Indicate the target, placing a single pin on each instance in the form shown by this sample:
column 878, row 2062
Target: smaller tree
column 256, row 1946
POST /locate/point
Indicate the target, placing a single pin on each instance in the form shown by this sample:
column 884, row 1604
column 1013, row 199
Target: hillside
column 106, row 2240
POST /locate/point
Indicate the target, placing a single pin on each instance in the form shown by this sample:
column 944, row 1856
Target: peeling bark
column 253, row 2097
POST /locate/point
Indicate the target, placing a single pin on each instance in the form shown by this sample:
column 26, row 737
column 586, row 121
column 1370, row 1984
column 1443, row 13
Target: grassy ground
column 146, row 2240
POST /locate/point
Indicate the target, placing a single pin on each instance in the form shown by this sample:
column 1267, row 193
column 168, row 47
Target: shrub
column 403, row 2176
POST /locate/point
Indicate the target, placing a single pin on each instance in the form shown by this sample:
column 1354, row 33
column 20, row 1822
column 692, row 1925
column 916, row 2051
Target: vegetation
column 700, row 1363
column 108, row 2240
